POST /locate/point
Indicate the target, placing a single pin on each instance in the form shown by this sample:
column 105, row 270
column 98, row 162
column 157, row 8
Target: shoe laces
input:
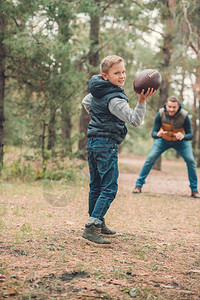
column 97, row 230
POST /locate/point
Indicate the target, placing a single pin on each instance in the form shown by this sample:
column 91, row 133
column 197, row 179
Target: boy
column 108, row 107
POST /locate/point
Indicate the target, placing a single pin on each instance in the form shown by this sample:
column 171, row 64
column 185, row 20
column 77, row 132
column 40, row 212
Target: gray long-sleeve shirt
column 121, row 109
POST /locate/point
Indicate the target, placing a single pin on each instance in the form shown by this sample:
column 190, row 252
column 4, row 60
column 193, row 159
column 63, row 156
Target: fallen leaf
column 12, row 292
column 2, row 277
column 194, row 271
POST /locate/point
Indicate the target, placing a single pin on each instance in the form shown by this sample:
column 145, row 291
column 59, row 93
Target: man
column 172, row 129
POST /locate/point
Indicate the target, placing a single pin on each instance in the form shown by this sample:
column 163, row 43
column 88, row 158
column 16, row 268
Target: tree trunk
column 194, row 121
column 66, row 130
column 192, row 35
column 2, row 85
column 43, row 147
column 63, row 21
column 162, row 100
column 51, row 129
column 198, row 161
column 94, row 62
column 198, row 82
column 168, row 18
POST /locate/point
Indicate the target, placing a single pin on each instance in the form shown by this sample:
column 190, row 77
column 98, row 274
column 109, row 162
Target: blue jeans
column 102, row 154
column 182, row 147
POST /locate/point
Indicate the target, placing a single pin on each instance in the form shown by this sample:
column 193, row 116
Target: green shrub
column 18, row 169
column 27, row 172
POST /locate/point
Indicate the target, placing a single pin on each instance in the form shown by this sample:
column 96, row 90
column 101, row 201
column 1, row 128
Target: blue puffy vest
column 103, row 123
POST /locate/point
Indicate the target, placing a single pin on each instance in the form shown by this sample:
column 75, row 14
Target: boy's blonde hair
column 109, row 61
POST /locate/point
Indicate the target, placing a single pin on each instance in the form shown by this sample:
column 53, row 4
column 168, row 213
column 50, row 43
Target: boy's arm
column 86, row 102
column 121, row 109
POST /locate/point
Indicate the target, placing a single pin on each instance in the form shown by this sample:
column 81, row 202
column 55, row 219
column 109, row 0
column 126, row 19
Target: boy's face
column 116, row 74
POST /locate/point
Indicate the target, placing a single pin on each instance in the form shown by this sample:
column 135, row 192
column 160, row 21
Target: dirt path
column 155, row 254
column 172, row 179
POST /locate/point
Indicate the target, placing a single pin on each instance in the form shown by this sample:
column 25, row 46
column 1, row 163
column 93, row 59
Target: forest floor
column 155, row 254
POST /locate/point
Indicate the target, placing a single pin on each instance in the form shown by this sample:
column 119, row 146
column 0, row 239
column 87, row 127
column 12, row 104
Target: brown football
column 145, row 79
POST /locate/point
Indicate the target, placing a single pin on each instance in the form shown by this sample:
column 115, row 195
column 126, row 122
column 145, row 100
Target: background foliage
column 50, row 49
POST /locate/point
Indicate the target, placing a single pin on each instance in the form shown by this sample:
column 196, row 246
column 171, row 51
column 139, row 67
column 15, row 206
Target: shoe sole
column 109, row 235
column 95, row 244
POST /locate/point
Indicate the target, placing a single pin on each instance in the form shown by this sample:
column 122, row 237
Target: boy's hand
column 142, row 97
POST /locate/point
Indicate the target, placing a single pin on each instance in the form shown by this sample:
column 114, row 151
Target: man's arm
column 156, row 126
column 188, row 136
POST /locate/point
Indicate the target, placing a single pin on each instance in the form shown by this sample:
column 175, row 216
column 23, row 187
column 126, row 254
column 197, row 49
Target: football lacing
column 152, row 74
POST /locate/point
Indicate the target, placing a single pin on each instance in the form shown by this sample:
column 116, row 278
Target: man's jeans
column 102, row 154
column 182, row 147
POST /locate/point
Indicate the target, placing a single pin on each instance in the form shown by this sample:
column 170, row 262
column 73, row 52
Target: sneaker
column 106, row 230
column 93, row 234
column 195, row 194
column 137, row 189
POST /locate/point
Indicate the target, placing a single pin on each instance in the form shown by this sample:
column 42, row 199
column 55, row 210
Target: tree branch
column 190, row 32
column 108, row 5
column 15, row 22
column 113, row 1
column 146, row 27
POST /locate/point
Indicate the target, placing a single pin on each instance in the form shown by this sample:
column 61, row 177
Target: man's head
column 172, row 105
column 113, row 69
